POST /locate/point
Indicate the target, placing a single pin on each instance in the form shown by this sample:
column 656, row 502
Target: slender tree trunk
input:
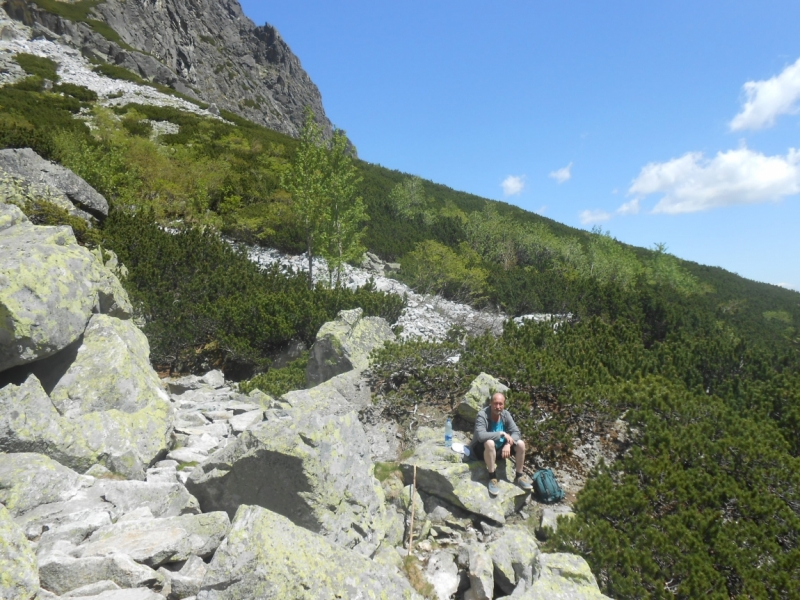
column 310, row 262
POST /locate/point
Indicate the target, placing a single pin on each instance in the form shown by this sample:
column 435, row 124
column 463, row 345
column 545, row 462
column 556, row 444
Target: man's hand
column 506, row 450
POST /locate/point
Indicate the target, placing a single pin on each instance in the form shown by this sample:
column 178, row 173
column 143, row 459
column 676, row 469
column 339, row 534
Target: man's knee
column 520, row 446
column 489, row 445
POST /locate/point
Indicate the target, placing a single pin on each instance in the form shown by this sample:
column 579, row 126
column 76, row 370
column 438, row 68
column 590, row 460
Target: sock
column 519, row 475
column 492, row 475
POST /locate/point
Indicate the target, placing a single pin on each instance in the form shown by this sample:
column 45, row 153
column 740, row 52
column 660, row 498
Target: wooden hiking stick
column 413, row 506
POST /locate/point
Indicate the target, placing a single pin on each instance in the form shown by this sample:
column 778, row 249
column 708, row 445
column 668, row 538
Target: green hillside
column 700, row 363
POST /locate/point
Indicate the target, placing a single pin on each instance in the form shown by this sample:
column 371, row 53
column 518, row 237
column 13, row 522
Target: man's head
column 498, row 403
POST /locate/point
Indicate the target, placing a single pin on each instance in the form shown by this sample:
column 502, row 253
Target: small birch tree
column 306, row 181
column 346, row 211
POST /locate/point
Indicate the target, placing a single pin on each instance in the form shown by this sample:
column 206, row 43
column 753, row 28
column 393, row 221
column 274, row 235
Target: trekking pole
column 413, row 506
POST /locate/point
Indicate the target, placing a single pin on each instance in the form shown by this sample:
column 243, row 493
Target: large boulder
column 48, row 179
column 563, row 577
column 478, row 396
column 266, row 556
column 125, row 442
column 154, row 542
column 515, row 556
column 28, row 480
column 447, row 475
column 111, row 371
column 344, row 344
column 49, row 288
column 308, row 462
column 19, row 578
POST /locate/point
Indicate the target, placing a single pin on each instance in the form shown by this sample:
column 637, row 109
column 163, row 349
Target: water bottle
column 448, row 433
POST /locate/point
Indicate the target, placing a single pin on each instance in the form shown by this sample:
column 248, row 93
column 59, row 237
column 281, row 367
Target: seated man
column 496, row 435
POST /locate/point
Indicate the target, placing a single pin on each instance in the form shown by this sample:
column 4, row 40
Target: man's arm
column 511, row 427
column 481, row 434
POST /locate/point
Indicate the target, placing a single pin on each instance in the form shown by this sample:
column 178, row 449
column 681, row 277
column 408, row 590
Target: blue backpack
column 546, row 488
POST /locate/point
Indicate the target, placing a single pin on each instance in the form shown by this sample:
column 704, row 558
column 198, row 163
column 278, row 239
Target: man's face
column 498, row 403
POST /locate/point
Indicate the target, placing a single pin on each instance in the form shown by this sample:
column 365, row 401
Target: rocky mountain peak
column 205, row 49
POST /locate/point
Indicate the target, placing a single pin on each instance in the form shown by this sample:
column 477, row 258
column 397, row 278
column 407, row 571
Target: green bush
column 38, row 66
column 78, row 92
column 276, row 382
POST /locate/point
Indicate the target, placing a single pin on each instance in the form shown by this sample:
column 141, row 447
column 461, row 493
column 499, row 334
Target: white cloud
column 541, row 209
column 588, row 217
column 629, row 208
column 513, row 185
column 789, row 286
column 563, row 174
column 693, row 183
column 768, row 99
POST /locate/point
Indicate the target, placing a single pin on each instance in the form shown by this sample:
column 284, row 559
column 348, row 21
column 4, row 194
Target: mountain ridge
column 210, row 51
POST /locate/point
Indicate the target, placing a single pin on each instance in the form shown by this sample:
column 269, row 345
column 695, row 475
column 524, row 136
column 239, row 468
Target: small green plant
column 416, row 577
column 384, row 470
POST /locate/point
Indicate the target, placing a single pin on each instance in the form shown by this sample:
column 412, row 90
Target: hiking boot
column 493, row 489
column 523, row 482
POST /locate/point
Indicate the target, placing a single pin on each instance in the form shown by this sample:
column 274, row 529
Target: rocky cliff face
column 202, row 48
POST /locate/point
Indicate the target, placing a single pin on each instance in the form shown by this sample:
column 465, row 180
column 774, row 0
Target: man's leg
column 489, row 456
column 519, row 455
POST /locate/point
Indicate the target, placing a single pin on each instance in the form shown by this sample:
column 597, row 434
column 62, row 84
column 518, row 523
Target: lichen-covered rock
column 49, row 288
column 123, row 442
column 442, row 573
column 309, row 462
column 163, row 499
column 28, row 480
column 154, row 542
column 515, row 555
column 19, row 579
column 344, row 344
column 266, row 556
column 55, row 181
column 111, row 371
column 444, row 474
column 60, row 573
column 11, row 215
column 187, row 581
column 481, row 573
column 563, row 577
column 478, row 395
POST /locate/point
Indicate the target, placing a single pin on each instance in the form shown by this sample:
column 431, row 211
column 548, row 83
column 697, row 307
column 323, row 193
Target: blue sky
column 669, row 122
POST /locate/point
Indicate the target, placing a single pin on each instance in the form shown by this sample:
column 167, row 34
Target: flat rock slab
column 266, row 556
column 136, row 594
column 443, row 473
column 28, row 480
column 154, row 542
column 563, row 577
column 18, row 570
column 163, row 499
column 60, row 573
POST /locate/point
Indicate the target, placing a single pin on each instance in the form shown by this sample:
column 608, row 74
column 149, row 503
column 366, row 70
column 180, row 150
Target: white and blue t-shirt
column 496, row 427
